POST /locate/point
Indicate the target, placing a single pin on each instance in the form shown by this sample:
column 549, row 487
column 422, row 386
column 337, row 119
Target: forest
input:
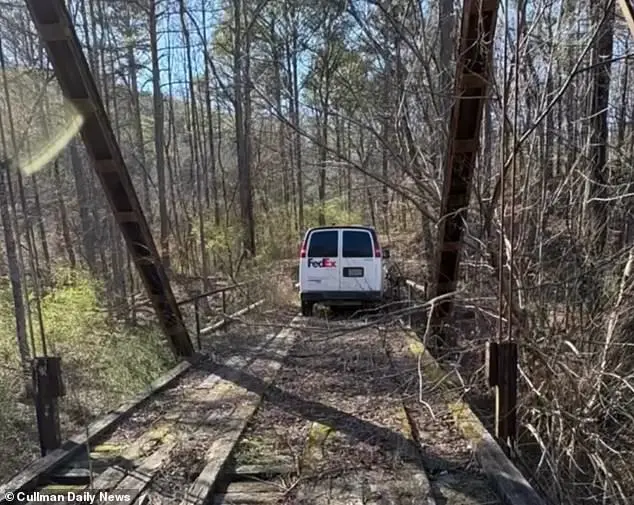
column 243, row 123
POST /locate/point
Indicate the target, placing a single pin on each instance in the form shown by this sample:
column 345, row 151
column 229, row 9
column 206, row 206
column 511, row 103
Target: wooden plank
column 236, row 421
column 73, row 476
column 133, row 456
column 138, row 480
column 138, row 474
column 265, row 469
column 252, row 487
column 113, row 475
column 208, row 390
column 57, row 489
column 109, row 479
column 404, row 490
column 29, row 477
column 247, row 499
column 343, row 488
column 249, row 493
column 135, row 478
column 509, row 483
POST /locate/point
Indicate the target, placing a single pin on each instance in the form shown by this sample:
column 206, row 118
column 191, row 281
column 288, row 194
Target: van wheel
column 307, row 309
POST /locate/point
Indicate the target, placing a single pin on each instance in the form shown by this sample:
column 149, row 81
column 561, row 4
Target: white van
column 340, row 265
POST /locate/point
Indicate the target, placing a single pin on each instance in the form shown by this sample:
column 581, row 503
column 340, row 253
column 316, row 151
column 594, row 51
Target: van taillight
column 302, row 251
column 377, row 247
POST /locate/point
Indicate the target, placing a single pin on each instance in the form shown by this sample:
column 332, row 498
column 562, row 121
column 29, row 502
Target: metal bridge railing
column 227, row 305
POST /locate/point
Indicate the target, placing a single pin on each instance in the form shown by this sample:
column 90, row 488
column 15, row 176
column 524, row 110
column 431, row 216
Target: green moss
column 314, row 449
column 406, row 428
column 61, row 489
column 108, row 448
column 416, row 347
column 464, row 418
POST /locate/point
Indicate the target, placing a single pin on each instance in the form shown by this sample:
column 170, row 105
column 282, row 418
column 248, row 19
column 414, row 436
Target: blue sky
column 171, row 43
column 171, row 47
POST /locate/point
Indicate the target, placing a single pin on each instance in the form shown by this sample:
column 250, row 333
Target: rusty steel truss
column 479, row 18
column 56, row 30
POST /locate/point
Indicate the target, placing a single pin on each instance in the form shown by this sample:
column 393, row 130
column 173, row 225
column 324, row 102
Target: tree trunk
column 14, row 274
column 87, row 226
column 210, row 121
column 244, row 176
column 597, row 225
column 296, row 121
column 63, row 215
column 158, row 136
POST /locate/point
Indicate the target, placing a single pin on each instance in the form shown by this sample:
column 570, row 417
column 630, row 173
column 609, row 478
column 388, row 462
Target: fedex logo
column 322, row 263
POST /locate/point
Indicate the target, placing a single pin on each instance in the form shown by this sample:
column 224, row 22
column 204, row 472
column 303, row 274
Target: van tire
column 307, row 309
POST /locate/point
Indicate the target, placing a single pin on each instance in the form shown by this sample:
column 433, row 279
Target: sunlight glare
column 58, row 141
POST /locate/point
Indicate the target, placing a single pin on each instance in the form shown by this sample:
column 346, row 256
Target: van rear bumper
column 341, row 296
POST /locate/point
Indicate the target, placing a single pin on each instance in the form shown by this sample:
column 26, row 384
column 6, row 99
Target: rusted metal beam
column 479, row 18
column 56, row 30
column 47, row 388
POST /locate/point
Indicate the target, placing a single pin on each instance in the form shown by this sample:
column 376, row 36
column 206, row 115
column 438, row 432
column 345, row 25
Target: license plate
column 355, row 272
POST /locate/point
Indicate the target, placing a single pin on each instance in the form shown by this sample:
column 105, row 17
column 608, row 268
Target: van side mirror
column 386, row 254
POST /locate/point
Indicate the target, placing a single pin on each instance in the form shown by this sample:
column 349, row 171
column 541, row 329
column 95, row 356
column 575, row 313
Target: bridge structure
column 205, row 415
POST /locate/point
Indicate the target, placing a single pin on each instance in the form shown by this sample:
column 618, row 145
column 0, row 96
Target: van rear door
column 320, row 268
column 360, row 261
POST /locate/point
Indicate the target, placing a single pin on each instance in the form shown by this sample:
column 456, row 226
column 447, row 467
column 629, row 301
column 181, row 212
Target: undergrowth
column 104, row 362
column 275, row 234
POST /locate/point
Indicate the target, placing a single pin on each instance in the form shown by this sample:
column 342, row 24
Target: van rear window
column 357, row 244
column 323, row 244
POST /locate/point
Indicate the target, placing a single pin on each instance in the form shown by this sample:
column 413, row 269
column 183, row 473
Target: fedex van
column 340, row 265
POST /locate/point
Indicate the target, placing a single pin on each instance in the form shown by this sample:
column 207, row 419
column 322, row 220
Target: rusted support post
column 47, row 388
column 479, row 18
column 502, row 361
